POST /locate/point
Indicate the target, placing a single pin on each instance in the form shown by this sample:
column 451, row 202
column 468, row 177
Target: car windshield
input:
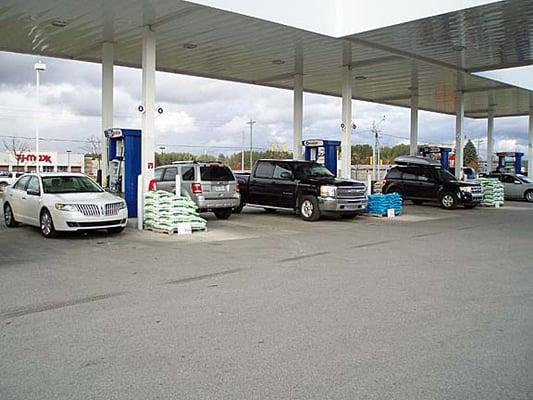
column 311, row 170
column 445, row 176
column 525, row 179
column 70, row 184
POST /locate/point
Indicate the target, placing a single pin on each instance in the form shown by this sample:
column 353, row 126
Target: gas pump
column 515, row 165
column 437, row 153
column 323, row 152
column 124, row 146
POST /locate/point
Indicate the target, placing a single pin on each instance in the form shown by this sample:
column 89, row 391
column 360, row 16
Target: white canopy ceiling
column 427, row 55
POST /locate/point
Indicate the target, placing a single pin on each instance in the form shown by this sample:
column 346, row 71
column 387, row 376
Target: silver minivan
column 211, row 185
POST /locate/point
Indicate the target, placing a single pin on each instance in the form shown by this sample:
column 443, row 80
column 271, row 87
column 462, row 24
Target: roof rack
column 197, row 162
column 416, row 160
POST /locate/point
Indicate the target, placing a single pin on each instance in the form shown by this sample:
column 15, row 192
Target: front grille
column 477, row 190
column 89, row 210
column 112, row 209
column 351, row 192
column 95, row 224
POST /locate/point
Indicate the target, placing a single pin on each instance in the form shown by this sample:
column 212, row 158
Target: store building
column 50, row 161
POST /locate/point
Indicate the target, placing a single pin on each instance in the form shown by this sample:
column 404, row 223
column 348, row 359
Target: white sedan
column 63, row 202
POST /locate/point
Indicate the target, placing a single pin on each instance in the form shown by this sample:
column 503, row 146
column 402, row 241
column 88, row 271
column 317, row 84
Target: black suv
column 422, row 179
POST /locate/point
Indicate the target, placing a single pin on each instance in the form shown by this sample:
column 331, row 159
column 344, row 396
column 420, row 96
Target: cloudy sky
column 202, row 115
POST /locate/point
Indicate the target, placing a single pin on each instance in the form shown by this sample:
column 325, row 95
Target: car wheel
column 348, row 215
column 529, row 196
column 223, row 213
column 308, row 208
column 47, row 225
column 448, row 201
column 9, row 217
column 395, row 190
column 117, row 229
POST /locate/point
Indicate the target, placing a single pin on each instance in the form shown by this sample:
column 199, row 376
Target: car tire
column 9, row 217
column 418, row 202
column 448, row 201
column 238, row 209
column 529, row 196
column 348, row 215
column 223, row 213
column 308, row 208
column 47, row 225
column 115, row 230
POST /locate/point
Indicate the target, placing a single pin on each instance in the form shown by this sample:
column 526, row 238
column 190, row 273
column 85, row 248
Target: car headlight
column 66, row 207
column 328, row 191
column 123, row 205
column 466, row 189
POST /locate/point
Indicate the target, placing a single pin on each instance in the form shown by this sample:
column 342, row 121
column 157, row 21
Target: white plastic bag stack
column 164, row 210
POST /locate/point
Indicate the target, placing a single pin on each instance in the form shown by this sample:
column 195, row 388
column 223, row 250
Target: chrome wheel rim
column 307, row 208
column 8, row 215
column 46, row 224
column 529, row 196
column 447, row 201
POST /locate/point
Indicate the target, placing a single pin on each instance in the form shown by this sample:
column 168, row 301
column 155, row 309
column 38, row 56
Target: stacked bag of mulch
column 164, row 210
column 493, row 191
column 378, row 204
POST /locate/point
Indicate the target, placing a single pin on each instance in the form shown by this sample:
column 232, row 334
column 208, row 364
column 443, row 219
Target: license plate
column 220, row 188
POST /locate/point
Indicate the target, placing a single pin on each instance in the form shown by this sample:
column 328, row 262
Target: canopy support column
column 107, row 104
column 298, row 115
column 148, row 116
column 414, row 125
column 346, row 136
column 530, row 139
column 459, row 126
column 490, row 140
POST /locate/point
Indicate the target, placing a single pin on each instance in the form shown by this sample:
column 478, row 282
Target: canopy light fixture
column 190, row 46
column 59, row 23
column 278, row 62
column 360, row 78
column 459, row 47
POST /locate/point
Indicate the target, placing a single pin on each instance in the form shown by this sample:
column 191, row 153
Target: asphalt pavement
column 432, row 305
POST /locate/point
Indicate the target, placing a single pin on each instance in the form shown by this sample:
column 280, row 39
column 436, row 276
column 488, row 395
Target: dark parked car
column 423, row 180
column 304, row 186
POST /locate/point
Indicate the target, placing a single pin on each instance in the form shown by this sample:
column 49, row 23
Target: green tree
column 470, row 156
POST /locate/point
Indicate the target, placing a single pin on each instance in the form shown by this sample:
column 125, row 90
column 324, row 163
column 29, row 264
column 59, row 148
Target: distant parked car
column 9, row 178
column 211, row 185
column 63, row 202
column 516, row 187
column 423, row 180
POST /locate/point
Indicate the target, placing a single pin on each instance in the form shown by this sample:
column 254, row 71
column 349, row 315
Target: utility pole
column 251, row 123
column 242, row 152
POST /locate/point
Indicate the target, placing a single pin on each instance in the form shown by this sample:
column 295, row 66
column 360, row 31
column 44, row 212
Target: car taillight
column 237, row 188
column 196, row 188
column 152, row 186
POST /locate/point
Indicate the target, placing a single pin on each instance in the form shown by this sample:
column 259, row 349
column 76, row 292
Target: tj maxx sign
column 31, row 158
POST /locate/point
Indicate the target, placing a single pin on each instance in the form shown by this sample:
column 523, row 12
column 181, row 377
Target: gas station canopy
column 427, row 57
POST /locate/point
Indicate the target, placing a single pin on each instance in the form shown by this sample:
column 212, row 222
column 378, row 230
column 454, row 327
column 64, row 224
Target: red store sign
column 29, row 157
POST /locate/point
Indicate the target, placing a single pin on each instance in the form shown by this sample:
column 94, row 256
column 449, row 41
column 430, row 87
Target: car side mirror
column 286, row 175
column 33, row 192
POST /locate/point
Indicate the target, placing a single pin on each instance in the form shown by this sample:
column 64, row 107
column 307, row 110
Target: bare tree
column 93, row 148
column 16, row 147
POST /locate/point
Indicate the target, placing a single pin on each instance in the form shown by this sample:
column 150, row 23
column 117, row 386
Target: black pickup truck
column 303, row 186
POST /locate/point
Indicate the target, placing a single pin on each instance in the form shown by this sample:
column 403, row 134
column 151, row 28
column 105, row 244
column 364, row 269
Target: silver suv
column 211, row 185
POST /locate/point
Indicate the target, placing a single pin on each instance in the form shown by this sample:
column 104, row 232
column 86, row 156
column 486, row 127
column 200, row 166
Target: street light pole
column 251, row 123
column 38, row 67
